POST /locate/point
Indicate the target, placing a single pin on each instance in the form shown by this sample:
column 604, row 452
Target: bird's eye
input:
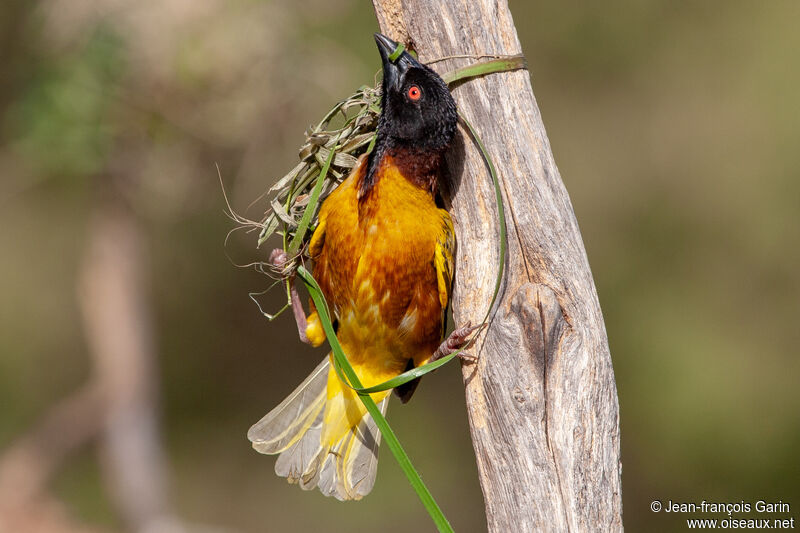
column 414, row 93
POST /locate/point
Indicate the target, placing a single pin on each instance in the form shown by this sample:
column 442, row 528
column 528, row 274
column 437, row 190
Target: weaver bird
column 383, row 257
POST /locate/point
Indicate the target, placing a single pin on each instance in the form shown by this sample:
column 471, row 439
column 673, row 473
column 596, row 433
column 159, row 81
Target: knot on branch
column 542, row 323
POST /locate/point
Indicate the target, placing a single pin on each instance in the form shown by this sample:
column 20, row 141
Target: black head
column 418, row 111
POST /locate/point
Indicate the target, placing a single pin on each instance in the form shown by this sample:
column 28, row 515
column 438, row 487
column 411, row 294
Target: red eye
column 414, row 93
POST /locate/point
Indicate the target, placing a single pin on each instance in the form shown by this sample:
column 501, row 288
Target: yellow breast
column 377, row 261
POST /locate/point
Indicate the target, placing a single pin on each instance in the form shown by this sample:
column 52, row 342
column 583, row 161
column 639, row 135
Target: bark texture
column 542, row 399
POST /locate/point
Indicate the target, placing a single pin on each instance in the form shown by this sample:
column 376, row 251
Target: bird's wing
column 443, row 261
column 300, row 412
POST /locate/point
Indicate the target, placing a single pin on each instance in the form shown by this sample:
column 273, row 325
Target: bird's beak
column 394, row 67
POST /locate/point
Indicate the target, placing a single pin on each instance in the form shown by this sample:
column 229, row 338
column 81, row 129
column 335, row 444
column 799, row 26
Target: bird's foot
column 278, row 258
column 458, row 341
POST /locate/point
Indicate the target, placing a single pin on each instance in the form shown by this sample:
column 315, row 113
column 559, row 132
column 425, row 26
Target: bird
column 383, row 253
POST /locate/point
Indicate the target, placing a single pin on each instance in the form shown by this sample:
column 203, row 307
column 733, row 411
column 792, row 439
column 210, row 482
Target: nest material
column 291, row 194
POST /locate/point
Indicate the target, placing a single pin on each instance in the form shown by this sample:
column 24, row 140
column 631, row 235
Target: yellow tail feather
column 324, row 437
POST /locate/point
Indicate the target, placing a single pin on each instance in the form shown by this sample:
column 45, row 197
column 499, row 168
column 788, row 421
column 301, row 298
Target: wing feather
column 443, row 261
column 282, row 427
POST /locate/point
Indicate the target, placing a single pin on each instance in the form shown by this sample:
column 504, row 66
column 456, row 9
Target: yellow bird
column 383, row 257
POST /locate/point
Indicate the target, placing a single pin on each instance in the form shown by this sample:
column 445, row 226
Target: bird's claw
column 278, row 258
column 458, row 340
column 280, row 262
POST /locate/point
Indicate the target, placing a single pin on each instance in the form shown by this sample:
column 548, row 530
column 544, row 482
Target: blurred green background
column 676, row 128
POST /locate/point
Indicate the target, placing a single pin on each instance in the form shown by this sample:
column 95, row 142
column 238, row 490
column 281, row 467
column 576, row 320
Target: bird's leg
column 456, row 341
column 279, row 258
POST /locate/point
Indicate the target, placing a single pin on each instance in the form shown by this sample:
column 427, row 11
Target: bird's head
column 418, row 111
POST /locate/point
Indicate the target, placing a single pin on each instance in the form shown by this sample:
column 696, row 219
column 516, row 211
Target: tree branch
column 112, row 294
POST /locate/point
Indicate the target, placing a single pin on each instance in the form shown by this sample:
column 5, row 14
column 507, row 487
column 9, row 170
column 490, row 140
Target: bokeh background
column 676, row 127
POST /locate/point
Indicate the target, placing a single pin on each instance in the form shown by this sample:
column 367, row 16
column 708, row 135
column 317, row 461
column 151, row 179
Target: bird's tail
column 324, row 436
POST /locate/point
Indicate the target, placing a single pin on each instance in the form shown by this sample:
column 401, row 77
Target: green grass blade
column 311, row 208
column 483, row 68
column 388, row 435
column 405, row 377
column 399, row 49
